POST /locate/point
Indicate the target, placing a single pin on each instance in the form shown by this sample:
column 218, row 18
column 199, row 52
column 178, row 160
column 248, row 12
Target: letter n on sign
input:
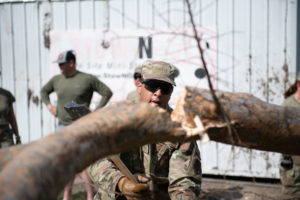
column 148, row 48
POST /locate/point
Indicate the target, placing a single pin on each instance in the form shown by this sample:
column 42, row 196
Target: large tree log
column 8, row 154
column 42, row 168
column 255, row 123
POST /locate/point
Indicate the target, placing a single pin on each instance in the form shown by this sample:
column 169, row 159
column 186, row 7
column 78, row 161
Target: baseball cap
column 159, row 70
column 65, row 56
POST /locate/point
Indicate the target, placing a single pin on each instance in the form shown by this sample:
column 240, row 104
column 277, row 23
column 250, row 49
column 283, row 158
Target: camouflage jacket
column 290, row 177
column 175, row 171
column 133, row 95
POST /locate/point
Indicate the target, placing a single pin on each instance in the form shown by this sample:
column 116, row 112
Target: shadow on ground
column 224, row 194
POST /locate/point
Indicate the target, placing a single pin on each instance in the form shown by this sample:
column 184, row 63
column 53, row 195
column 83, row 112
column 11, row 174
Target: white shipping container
column 247, row 43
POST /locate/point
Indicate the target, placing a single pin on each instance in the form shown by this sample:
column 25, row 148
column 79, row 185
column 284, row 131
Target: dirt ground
column 219, row 189
column 242, row 190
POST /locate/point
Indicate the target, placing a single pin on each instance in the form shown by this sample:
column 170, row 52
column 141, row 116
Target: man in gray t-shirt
column 73, row 85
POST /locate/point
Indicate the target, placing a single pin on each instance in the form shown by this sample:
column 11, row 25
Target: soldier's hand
column 18, row 140
column 134, row 191
column 52, row 109
column 142, row 178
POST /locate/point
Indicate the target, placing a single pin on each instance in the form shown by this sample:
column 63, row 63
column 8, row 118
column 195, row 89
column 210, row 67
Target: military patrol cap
column 159, row 70
column 65, row 56
column 138, row 69
column 298, row 77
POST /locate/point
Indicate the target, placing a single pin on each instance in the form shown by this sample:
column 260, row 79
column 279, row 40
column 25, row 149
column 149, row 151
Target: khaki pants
column 290, row 178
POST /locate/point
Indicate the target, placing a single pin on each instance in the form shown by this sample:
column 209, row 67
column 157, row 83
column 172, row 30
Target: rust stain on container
column 30, row 96
column 47, row 28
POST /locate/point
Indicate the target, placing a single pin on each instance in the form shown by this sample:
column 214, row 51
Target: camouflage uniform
column 290, row 174
column 175, row 169
column 6, row 134
column 133, row 95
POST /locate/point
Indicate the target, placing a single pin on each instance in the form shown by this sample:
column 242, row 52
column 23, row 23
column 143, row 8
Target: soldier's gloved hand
column 18, row 140
column 134, row 191
column 142, row 178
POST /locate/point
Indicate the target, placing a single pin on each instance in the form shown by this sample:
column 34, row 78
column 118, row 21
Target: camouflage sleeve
column 185, row 172
column 105, row 176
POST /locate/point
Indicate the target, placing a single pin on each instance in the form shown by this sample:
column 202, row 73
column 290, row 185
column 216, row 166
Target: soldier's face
column 137, row 79
column 155, row 92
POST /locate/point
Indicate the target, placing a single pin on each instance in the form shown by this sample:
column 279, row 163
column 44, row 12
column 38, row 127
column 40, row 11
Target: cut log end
column 190, row 123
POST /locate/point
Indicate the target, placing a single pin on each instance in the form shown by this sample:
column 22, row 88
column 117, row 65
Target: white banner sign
column 113, row 55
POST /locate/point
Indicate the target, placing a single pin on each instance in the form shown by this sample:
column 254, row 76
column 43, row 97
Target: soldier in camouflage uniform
column 137, row 76
column 290, row 164
column 8, row 123
column 164, row 170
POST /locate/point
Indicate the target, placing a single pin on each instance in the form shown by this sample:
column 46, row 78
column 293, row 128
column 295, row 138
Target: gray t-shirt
column 78, row 88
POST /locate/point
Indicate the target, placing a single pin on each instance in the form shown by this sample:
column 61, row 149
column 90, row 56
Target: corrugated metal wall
column 256, row 53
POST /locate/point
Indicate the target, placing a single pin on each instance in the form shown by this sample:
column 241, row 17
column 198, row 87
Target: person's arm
column 87, row 185
column 103, row 90
column 106, row 176
column 185, row 172
column 45, row 91
column 112, row 183
column 14, row 124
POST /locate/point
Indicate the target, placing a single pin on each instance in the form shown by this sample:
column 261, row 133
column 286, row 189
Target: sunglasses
column 153, row 86
column 137, row 75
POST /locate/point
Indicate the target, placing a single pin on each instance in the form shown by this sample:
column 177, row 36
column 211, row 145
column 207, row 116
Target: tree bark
column 8, row 154
column 41, row 170
column 255, row 123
